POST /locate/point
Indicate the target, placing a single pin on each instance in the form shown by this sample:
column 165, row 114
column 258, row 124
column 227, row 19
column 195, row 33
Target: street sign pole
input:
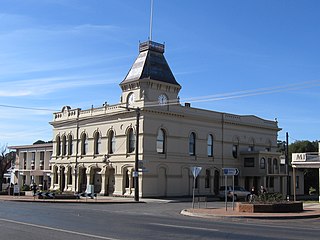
column 233, row 192
column 193, row 190
column 225, row 192
column 229, row 172
column 195, row 172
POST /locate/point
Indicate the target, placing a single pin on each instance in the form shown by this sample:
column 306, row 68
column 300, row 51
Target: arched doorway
column 96, row 180
column 185, row 183
column 162, row 182
column 110, row 181
column 62, row 179
column 127, row 180
column 216, row 182
column 82, row 180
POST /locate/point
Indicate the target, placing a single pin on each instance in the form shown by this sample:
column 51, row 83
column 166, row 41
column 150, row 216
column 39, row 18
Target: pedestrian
column 262, row 190
column 252, row 191
column 34, row 188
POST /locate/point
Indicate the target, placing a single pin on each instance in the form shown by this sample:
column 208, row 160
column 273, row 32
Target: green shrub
column 25, row 188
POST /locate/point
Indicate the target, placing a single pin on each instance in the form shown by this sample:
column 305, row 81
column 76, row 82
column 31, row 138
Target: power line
column 209, row 98
column 29, row 108
column 244, row 93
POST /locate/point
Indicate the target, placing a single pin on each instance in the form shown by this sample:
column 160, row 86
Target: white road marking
column 185, row 227
column 57, row 229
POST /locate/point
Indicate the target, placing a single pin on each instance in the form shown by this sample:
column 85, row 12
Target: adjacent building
column 96, row 147
column 32, row 165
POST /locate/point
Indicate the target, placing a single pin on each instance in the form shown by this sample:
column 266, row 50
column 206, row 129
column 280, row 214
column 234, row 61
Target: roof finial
column 151, row 16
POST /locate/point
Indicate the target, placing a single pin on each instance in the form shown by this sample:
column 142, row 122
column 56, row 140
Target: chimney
column 187, row 104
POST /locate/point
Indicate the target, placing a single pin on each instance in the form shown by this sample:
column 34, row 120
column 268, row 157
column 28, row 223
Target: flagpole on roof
column 151, row 16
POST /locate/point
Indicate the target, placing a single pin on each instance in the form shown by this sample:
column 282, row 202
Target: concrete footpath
column 311, row 210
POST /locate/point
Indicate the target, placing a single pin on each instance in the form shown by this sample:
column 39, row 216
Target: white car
column 239, row 193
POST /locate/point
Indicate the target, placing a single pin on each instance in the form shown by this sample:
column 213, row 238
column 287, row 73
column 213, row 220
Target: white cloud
column 46, row 85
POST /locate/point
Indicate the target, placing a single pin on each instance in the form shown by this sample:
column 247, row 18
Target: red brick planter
column 285, row 207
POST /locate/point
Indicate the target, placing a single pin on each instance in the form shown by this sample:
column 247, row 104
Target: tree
column 303, row 147
column 6, row 159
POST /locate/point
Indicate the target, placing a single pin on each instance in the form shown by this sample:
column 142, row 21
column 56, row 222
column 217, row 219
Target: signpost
column 16, row 189
column 229, row 172
column 195, row 172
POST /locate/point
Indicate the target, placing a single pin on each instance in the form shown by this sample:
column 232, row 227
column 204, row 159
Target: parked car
column 239, row 193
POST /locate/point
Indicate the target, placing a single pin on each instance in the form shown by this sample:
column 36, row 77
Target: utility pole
column 287, row 164
column 136, row 162
column 77, row 149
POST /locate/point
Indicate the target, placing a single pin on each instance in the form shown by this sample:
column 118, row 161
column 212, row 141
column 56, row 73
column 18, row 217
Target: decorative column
column 66, row 177
column 57, row 186
column 103, row 180
column 74, row 180
column 88, row 177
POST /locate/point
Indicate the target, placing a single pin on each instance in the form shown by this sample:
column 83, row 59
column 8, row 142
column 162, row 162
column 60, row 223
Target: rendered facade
column 96, row 147
column 32, row 165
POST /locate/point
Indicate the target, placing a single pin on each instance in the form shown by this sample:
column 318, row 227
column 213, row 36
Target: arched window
column 235, row 147
column 64, row 145
column 70, row 145
column 69, row 175
column 192, row 144
column 111, row 142
column 131, row 141
column 84, row 144
column 251, row 145
column 55, row 175
column 58, row 146
column 161, row 141
column 97, row 142
column 235, row 150
column 262, row 163
column 210, row 145
column 127, row 177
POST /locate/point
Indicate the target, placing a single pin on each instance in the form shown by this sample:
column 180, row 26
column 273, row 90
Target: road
column 154, row 220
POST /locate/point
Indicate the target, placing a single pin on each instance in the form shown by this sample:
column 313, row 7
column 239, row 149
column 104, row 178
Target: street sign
column 16, row 189
column 230, row 171
column 195, row 171
column 45, row 194
column 91, row 195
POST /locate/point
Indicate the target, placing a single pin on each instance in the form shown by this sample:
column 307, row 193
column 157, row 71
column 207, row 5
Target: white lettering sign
column 299, row 157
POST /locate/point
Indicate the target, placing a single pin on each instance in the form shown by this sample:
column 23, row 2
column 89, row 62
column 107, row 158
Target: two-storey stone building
column 32, row 165
column 97, row 146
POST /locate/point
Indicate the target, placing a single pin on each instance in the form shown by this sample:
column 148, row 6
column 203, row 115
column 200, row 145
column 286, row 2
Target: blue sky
column 76, row 52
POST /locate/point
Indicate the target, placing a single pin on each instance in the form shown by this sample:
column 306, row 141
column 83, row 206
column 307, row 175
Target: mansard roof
column 150, row 64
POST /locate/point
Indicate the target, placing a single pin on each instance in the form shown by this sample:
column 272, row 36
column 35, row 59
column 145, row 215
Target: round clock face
column 162, row 99
column 131, row 98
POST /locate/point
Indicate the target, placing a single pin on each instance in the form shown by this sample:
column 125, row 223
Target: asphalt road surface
column 154, row 220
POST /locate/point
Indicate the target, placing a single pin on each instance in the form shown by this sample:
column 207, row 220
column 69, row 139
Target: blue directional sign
column 230, row 171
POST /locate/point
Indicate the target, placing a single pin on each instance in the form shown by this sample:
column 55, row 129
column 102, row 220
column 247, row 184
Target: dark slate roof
column 151, row 64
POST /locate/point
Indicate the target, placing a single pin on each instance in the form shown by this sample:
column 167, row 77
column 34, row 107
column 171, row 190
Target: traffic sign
column 230, row 171
column 45, row 194
column 91, row 195
column 195, row 171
